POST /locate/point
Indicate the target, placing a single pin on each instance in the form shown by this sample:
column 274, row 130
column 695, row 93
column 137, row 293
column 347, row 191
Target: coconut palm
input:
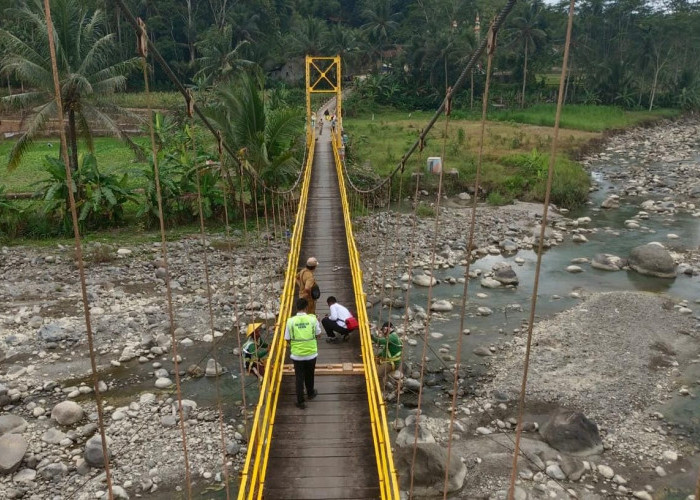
column 87, row 66
column 525, row 30
column 308, row 37
column 381, row 22
column 220, row 55
column 265, row 138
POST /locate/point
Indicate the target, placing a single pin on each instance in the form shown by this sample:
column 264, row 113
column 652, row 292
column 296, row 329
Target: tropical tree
column 87, row 66
column 381, row 22
column 266, row 139
column 525, row 30
column 308, row 37
column 220, row 56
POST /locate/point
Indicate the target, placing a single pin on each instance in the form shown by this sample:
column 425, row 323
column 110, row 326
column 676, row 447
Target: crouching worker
column 390, row 346
column 339, row 320
column 255, row 351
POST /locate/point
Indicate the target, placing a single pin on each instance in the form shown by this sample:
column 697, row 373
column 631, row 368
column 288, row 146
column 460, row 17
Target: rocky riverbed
column 612, row 403
column 621, row 363
column 45, row 364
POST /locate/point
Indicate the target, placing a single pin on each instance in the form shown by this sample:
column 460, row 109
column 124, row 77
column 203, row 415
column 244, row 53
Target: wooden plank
column 325, row 451
column 344, row 452
column 350, row 441
column 323, row 493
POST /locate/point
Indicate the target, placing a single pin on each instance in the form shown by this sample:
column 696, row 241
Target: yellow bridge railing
column 254, row 470
column 388, row 480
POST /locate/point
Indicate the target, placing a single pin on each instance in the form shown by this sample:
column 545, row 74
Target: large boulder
column 407, row 436
column 423, row 280
column 607, row 262
column 441, row 306
column 12, row 450
column 12, row 424
column 612, row 201
column 214, row 369
column 489, row 282
column 503, row 273
column 652, row 259
column 52, row 333
column 573, row 433
column 67, row 413
column 93, row 451
column 429, row 470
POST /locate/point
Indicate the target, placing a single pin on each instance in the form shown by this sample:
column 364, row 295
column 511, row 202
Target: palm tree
column 308, row 36
column 381, row 22
column 525, row 30
column 88, row 71
column 219, row 59
column 265, row 138
column 344, row 42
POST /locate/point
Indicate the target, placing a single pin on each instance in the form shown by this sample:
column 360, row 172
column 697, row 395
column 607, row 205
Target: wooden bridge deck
column 325, row 451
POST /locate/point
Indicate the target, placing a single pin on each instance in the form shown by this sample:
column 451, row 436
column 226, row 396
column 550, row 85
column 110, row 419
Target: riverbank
column 629, row 361
column 44, row 361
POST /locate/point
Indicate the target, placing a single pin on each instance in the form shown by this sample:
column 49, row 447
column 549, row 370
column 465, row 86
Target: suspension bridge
column 339, row 446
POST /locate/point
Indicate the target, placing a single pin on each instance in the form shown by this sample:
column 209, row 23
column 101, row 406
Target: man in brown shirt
column 306, row 281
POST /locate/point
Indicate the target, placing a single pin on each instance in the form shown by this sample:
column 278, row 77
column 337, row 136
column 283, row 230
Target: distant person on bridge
column 313, row 121
column 301, row 332
column 389, row 356
column 337, row 320
column 255, row 350
column 308, row 289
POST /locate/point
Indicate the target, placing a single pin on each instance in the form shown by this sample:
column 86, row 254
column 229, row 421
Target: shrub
column 569, row 184
column 498, row 199
column 100, row 198
column 425, row 210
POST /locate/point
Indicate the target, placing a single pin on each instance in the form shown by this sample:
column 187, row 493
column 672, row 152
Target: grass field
column 159, row 100
column 582, row 117
column 112, row 156
column 378, row 140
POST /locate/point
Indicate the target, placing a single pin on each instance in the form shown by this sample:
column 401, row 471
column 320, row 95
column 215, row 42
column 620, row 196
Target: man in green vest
column 301, row 333
column 389, row 356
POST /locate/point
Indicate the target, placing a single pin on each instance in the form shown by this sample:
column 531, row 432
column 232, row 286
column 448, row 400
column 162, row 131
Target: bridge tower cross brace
column 323, row 76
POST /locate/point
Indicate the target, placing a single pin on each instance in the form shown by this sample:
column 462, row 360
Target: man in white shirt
column 334, row 322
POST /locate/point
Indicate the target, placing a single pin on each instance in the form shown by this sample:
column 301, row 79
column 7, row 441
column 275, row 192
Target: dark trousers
column 332, row 327
column 304, row 373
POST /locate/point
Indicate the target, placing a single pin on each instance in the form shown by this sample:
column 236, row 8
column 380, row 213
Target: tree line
column 630, row 53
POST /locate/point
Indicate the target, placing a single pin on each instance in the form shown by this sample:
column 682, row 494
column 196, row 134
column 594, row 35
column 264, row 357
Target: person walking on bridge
column 308, row 289
column 301, row 332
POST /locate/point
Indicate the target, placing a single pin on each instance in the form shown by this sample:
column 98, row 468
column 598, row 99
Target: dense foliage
column 245, row 62
column 629, row 53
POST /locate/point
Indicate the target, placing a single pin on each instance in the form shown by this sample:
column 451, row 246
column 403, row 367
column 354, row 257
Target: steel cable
column 164, row 255
column 472, row 226
column 540, row 251
column 78, row 245
column 476, row 55
column 429, row 300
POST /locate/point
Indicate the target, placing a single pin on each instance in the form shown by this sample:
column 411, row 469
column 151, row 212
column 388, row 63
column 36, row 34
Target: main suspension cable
column 475, row 57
